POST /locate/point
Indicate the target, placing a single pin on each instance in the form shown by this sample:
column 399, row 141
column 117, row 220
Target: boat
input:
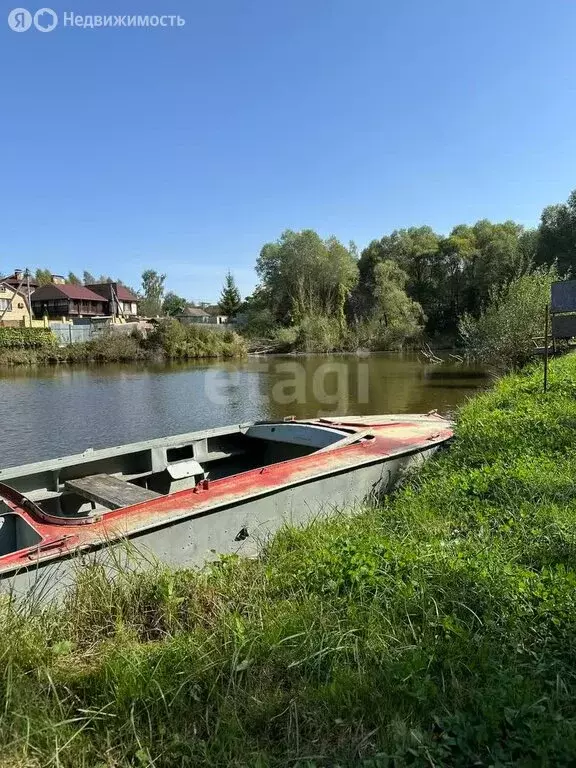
column 190, row 498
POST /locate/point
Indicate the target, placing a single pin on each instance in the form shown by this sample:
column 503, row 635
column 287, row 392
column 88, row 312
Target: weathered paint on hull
column 200, row 538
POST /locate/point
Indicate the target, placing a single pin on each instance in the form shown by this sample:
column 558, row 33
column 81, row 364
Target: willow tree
column 396, row 316
column 304, row 276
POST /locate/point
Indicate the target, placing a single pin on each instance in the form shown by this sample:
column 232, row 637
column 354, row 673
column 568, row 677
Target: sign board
column 563, row 296
column 563, row 326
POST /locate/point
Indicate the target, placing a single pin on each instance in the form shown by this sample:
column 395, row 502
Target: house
column 216, row 315
column 194, row 315
column 120, row 301
column 67, row 301
column 22, row 281
column 14, row 309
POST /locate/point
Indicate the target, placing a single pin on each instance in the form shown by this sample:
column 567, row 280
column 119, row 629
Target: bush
column 260, row 323
column 318, row 333
column 26, row 338
column 514, row 316
column 169, row 340
column 184, row 342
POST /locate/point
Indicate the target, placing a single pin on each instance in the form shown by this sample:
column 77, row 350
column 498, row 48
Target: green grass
column 438, row 629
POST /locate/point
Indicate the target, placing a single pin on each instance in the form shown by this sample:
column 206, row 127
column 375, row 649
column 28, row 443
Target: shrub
column 513, row 317
column 183, row 342
column 318, row 333
column 26, row 338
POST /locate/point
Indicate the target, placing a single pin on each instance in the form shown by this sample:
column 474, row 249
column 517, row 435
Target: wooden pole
column 546, row 350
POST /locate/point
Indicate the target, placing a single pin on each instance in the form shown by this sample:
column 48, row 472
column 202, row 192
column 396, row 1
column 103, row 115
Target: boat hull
column 242, row 528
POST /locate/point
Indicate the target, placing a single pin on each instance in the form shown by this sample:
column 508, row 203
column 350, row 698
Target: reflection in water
column 47, row 412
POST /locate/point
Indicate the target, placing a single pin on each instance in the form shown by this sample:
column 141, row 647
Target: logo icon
column 19, row 20
column 45, row 20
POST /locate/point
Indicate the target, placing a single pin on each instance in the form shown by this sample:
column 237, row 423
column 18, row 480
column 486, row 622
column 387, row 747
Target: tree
column 153, row 291
column 304, row 276
column 73, row 279
column 230, row 300
column 557, row 235
column 173, row 305
column 43, row 276
column 88, row 278
column 417, row 252
column 396, row 316
column 450, row 275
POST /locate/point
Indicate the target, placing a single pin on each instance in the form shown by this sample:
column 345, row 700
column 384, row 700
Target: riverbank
column 437, row 629
column 170, row 340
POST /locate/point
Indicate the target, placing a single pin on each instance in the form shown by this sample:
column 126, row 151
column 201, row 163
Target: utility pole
column 27, row 273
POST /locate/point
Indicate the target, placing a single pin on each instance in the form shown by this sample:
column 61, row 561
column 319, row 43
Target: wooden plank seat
column 110, row 491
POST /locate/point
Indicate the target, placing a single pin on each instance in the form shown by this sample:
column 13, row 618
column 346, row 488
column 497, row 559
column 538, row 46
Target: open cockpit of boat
column 93, row 482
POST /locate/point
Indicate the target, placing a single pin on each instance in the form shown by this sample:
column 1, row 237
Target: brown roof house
column 67, row 301
column 121, row 302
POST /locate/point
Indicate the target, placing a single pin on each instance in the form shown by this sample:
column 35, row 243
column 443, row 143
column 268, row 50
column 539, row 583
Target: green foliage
column 230, row 300
column 438, row 629
column 513, row 317
column 395, row 317
column 259, row 319
column 557, row 235
column 88, row 278
column 170, row 340
column 26, row 338
column 153, row 291
column 173, row 305
column 73, row 279
column 181, row 342
column 318, row 334
column 450, row 275
column 304, row 276
column 43, row 276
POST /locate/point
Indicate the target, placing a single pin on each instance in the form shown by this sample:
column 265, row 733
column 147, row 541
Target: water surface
column 48, row 412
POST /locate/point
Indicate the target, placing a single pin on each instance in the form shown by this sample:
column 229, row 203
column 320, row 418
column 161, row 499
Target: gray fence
column 72, row 334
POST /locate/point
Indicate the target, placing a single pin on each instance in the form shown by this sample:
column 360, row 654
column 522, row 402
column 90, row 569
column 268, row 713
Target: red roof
column 104, row 289
column 75, row 292
column 125, row 295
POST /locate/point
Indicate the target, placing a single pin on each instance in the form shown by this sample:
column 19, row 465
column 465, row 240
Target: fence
column 66, row 333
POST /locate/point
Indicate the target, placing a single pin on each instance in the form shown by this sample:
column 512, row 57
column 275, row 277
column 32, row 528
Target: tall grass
column 437, row 629
column 169, row 340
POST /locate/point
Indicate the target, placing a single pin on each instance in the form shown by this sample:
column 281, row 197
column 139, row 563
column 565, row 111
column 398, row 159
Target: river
column 49, row 412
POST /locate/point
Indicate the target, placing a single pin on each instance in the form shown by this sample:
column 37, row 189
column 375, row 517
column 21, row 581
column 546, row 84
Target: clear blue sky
column 187, row 149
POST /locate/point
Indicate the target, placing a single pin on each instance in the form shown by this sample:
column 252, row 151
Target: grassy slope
column 439, row 629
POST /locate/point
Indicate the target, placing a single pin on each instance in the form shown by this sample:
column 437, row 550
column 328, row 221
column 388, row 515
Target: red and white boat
column 189, row 498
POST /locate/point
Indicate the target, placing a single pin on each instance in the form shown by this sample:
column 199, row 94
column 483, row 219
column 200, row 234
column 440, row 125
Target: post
column 28, row 301
column 546, row 349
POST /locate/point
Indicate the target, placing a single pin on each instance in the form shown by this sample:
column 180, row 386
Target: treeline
column 320, row 294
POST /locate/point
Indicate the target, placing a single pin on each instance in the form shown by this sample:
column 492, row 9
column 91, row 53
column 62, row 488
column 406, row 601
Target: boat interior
column 94, row 482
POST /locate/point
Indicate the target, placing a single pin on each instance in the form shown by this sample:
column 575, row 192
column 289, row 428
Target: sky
column 185, row 149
